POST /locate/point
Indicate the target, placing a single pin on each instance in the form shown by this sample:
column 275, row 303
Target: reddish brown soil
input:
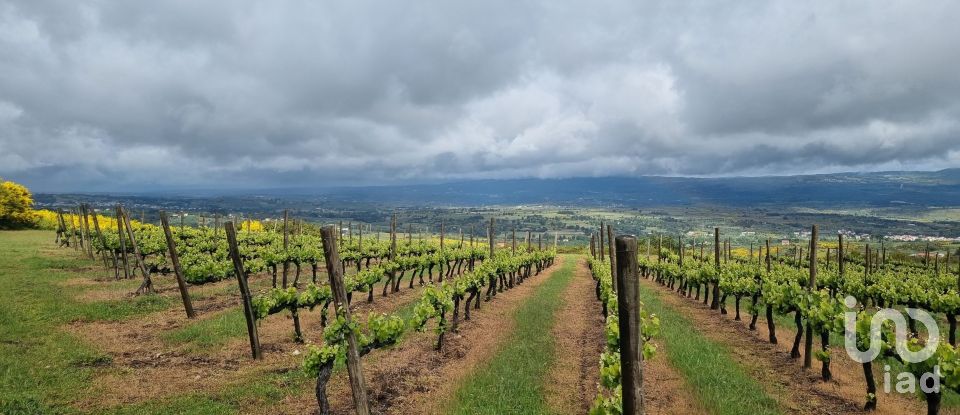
column 578, row 336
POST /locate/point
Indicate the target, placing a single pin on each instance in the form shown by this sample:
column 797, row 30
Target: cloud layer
column 101, row 95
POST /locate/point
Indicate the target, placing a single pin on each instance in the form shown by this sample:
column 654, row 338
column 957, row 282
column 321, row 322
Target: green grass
column 513, row 381
column 208, row 333
column 718, row 381
column 42, row 368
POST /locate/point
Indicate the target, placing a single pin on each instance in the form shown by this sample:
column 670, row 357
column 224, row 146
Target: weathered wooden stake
column 631, row 342
column 123, row 244
column 715, row 302
column 103, row 241
column 244, row 292
column 175, row 261
column 355, row 370
column 86, row 229
column 811, row 286
column 600, row 252
column 613, row 259
column 491, row 236
column 286, row 243
column 147, row 285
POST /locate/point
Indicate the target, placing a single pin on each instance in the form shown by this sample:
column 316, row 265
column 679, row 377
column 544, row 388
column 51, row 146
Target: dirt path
column 797, row 390
column 578, row 336
column 414, row 379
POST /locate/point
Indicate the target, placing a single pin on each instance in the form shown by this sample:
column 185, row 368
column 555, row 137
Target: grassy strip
column 41, row 367
column 513, row 381
column 720, row 384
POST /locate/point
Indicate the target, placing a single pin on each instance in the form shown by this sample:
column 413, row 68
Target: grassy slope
column 512, row 382
column 41, row 367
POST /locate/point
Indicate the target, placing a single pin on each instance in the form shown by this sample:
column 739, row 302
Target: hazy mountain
column 940, row 188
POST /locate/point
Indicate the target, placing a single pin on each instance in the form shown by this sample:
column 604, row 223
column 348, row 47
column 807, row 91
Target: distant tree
column 16, row 206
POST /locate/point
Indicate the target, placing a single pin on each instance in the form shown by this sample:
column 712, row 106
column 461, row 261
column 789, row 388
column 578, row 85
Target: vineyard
column 289, row 317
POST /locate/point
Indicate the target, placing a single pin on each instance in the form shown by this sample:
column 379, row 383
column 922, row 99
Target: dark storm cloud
column 98, row 95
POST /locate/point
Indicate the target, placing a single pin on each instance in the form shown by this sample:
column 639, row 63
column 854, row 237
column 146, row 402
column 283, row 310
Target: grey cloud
column 100, row 95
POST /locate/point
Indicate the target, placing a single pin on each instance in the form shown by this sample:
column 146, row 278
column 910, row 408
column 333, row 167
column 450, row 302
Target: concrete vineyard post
column 175, row 262
column 332, row 255
column 244, row 292
column 631, row 342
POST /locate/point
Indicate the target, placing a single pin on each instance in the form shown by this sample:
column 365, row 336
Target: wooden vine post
column 83, row 235
column 393, row 252
column 771, row 327
column 613, row 259
column 73, row 231
column 715, row 303
column 840, row 256
column 86, row 229
column 147, row 285
column 286, row 243
column 357, row 384
column 628, row 311
column 811, row 286
column 123, row 245
column 513, row 234
column 600, row 252
column 244, row 291
column 175, row 261
column 103, row 241
column 490, row 235
column 593, row 247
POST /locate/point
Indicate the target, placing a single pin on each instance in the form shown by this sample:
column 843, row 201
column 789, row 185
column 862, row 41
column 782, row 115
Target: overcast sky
column 119, row 95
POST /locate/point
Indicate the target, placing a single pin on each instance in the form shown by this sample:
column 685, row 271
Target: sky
column 147, row 95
